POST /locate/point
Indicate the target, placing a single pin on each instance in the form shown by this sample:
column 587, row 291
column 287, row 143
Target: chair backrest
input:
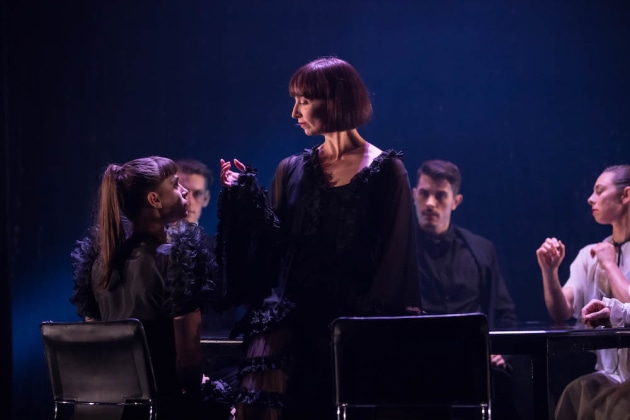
column 412, row 361
column 101, row 363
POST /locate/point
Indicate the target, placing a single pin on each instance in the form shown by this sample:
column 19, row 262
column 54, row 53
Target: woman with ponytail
column 141, row 260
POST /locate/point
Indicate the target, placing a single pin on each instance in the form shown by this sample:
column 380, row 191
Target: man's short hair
column 442, row 169
column 192, row 166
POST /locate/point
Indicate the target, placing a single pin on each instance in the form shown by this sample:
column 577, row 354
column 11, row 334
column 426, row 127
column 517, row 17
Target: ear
column 206, row 199
column 154, row 200
column 457, row 200
column 625, row 195
column 414, row 192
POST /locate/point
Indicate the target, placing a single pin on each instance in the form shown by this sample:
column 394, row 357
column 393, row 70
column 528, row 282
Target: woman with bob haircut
column 140, row 262
column 334, row 237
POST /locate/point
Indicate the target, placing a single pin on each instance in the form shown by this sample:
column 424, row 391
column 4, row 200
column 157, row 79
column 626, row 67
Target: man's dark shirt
column 459, row 273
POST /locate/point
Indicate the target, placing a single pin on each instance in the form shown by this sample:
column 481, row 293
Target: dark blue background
column 530, row 99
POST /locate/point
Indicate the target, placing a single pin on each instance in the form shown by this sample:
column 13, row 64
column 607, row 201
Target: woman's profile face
column 310, row 114
column 173, row 199
column 606, row 203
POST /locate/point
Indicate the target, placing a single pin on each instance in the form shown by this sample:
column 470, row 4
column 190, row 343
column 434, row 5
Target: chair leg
column 341, row 412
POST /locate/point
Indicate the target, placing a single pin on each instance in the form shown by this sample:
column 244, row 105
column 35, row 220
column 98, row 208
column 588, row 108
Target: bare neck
column 341, row 143
column 150, row 226
column 621, row 228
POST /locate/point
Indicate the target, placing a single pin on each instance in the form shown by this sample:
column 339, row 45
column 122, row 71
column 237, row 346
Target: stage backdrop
column 530, row 99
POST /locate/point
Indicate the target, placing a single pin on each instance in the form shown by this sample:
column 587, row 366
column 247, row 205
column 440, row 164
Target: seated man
column 459, row 272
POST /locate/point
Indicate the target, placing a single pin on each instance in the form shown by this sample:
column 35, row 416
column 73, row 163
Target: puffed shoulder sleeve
column 192, row 274
column 84, row 256
column 619, row 312
column 246, row 240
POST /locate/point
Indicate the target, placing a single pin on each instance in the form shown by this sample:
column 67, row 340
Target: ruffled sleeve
column 84, row 256
column 191, row 274
column 247, row 241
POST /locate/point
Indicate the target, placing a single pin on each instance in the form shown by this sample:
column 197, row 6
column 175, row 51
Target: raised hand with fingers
column 229, row 177
column 605, row 254
column 550, row 254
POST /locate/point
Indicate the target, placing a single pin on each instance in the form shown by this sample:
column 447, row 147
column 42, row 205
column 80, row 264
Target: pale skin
column 595, row 312
column 342, row 155
column 609, row 206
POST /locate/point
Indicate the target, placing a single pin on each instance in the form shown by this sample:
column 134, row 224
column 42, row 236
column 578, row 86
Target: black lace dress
column 315, row 253
column 153, row 282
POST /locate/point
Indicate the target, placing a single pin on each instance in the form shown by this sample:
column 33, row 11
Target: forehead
column 192, row 181
column 425, row 182
column 605, row 179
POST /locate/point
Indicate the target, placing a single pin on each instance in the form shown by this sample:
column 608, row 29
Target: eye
column 441, row 196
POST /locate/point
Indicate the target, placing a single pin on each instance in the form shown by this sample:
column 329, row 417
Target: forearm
column 188, row 347
column 558, row 306
column 618, row 282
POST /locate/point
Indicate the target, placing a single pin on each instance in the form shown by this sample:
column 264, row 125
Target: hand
column 228, row 177
column 596, row 313
column 550, row 254
column 605, row 253
column 498, row 361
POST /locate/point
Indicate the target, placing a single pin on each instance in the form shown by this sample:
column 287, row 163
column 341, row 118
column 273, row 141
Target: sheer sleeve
column 84, row 256
column 247, row 240
column 396, row 284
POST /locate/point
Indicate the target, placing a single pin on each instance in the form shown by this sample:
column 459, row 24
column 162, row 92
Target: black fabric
column 153, row 282
column 459, row 273
column 311, row 252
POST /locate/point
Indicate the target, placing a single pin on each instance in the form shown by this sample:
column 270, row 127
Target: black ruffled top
column 174, row 278
column 308, row 252
column 153, row 282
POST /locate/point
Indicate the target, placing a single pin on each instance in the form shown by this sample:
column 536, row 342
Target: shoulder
column 189, row 236
column 390, row 162
column 296, row 159
column 474, row 238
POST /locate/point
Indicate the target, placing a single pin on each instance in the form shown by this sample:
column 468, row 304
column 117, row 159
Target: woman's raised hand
column 550, row 254
column 228, row 177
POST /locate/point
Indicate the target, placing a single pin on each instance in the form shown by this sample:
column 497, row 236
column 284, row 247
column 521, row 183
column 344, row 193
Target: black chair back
column 412, row 361
column 100, row 369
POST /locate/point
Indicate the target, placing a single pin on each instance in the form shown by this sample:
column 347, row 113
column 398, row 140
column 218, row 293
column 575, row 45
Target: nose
column 295, row 113
column 184, row 192
column 431, row 201
column 591, row 200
